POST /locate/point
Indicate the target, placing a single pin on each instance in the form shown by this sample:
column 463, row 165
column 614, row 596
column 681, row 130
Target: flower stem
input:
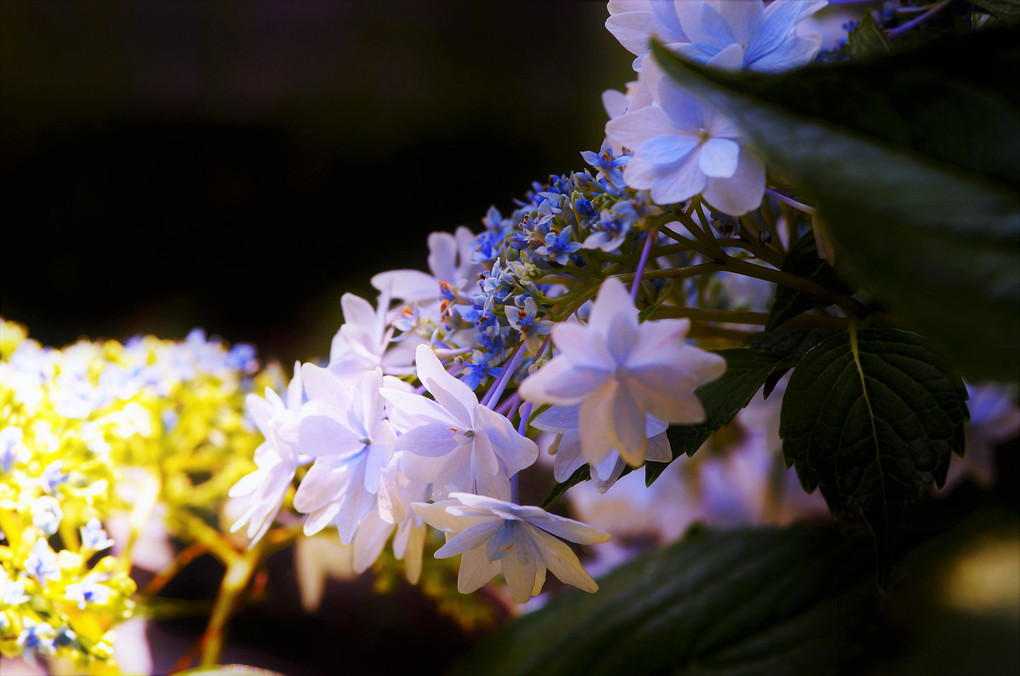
column 650, row 237
column 496, row 391
column 900, row 30
column 235, row 581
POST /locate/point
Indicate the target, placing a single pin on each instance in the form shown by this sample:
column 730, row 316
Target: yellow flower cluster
column 99, row 434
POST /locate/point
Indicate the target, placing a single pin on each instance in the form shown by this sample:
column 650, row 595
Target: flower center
column 703, row 134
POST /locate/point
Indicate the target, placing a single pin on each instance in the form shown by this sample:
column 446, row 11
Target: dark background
column 237, row 166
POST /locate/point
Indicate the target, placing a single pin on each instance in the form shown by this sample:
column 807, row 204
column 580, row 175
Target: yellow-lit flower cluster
column 95, row 435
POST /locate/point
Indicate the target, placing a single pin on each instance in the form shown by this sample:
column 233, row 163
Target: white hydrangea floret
column 620, row 370
column 452, row 441
column 521, row 542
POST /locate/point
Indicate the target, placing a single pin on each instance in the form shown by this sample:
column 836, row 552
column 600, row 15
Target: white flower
column 89, row 590
column 520, row 541
column 684, row 147
column 363, row 342
column 345, row 429
column 277, row 458
column 735, row 34
column 721, row 33
column 618, row 371
column 454, row 442
column 564, row 420
column 450, row 262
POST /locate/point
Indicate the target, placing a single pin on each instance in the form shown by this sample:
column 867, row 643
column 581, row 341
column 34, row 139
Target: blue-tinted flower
column 46, row 514
column 12, row 449
column 454, row 442
column 345, row 429
column 735, row 34
column 495, row 536
column 277, row 458
column 93, row 537
column 618, row 371
column 684, row 147
column 559, row 245
column 90, row 590
column 608, row 164
column 41, row 562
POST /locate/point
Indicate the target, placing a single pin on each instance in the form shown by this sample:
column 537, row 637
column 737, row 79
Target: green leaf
column 867, row 41
column 802, row 260
column 1003, row 9
column 744, row 602
column 746, row 371
column 913, row 161
column 870, row 417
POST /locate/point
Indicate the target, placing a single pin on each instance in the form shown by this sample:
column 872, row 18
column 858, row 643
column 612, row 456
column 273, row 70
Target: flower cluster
column 96, row 439
column 564, row 318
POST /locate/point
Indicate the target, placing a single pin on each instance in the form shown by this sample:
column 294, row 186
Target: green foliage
column 913, row 161
column 746, row 371
column 1002, row 9
column 870, row 417
column 866, row 41
column 802, row 260
column 741, row 602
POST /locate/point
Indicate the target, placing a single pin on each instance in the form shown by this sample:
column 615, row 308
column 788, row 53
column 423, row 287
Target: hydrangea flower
column 618, row 371
column 277, row 458
column 344, row 428
column 735, row 34
column 685, row 147
column 454, row 442
column 720, row 33
column 564, row 421
column 501, row 537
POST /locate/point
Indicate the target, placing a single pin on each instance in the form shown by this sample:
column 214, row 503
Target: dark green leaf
column 580, row 475
column 913, row 161
column 802, row 260
column 867, row 41
column 742, row 602
column 870, row 417
column 1004, row 9
column 722, row 399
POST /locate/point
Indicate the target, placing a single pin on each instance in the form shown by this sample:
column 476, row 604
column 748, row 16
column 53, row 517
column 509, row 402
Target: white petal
column 412, row 286
column 450, row 393
column 568, row 456
column 596, row 423
column 569, row 529
column 359, row 312
column 470, row 538
column 628, row 422
column 369, row 541
column 635, row 127
column 742, row 191
column 520, row 566
column 475, row 570
column 719, row 157
column 431, row 440
column 678, row 182
column 562, row 561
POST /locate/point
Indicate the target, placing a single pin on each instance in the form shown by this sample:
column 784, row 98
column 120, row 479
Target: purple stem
column 511, row 401
column 789, row 200
column 525, row 413
column 508, row 372
column 641, row 266
column 900, row 30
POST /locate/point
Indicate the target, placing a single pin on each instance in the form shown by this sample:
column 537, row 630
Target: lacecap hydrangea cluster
column 94, row 439
column 555, row 319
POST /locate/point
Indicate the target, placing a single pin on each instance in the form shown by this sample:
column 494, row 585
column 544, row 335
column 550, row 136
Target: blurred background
column 238, row 166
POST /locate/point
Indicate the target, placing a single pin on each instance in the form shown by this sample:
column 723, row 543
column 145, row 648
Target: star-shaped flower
column 684, row 147
column 277, row 458
column 619, row 370
column 454, row 442
column 519, row 541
